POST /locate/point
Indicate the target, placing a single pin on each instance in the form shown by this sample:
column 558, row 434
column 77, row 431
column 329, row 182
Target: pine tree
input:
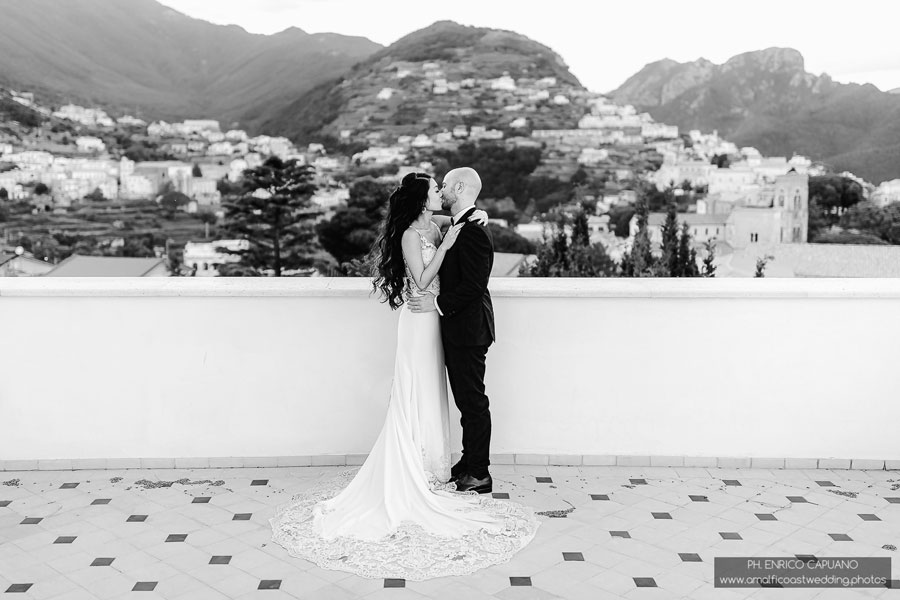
column 640, row 260
column 273, row 214
column 709, row 267
column 670, row 263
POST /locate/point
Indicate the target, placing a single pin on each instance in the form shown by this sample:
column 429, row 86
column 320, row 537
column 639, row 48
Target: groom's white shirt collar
column 458, row 217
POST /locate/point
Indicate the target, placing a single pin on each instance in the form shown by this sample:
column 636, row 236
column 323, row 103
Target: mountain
column 141, row 56
column 766, row 99
column 414, row 67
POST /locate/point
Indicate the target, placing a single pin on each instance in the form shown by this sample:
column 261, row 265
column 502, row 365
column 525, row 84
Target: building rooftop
column 105, row 266
column 815, row 260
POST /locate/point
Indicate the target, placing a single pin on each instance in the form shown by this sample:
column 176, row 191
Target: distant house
column 109, row 266
column 25, row 265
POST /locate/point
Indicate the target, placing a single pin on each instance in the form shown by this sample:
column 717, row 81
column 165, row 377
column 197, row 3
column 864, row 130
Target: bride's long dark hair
column 405, row 205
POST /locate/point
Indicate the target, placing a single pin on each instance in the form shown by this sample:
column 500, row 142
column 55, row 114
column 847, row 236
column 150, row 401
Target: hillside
column 413, row 68
column 767, row 99
column 142, row 57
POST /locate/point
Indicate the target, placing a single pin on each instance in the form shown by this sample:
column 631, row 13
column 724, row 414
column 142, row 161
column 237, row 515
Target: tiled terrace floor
column 102, row 534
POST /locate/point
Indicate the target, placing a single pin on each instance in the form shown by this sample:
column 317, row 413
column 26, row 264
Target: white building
column 136, row 187
column 887, row 193
column 385, row 94
column 593, row 156
column 90, row 144
column 206, row 257
column 329, row 198
column 504, row 83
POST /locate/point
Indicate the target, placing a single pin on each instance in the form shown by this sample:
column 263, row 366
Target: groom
column 467, row 326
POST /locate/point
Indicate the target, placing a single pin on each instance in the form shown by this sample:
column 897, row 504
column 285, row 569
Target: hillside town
column 751, row 201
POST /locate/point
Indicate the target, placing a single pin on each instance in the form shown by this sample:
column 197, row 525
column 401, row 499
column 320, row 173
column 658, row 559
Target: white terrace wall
column 120, row 368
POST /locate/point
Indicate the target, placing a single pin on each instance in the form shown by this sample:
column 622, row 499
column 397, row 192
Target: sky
column 604, row 42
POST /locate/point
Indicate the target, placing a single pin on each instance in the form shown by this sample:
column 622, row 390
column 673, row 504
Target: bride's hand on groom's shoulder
column 479, row 216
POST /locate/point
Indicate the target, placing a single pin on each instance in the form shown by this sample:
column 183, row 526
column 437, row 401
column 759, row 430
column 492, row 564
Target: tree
column 834, row 195
column 761, row 263
column 638, row 261
column 196, row 172
column 41, row 189
column 709, row 267
column 352, row 231
column 172, row 201
column 95, row 196
column 560, row 257
column 4, row 195
column 274, row 215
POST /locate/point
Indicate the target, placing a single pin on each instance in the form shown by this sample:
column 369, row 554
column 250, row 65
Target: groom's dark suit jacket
column 468, row 315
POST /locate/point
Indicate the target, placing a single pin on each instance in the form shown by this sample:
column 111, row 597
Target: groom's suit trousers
column 465, row 370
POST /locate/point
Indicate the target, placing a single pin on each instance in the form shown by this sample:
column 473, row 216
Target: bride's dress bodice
column 429, row 251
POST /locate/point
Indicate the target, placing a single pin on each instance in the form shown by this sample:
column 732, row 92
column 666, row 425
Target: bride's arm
column 479, row 216
column 412, row 252
column 440, row 220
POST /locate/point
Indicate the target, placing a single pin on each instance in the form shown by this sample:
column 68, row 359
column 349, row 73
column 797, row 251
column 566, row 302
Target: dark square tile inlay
column 661, row 515
column 5, row 503
column 241, row 517
column 841, row 537
column 869, row 517
column 730, row 535
column 544, row 479
column 260, row 482
column 220, row 560
column 644, row 581
column 766, row 517
column 101, row 501
column 798, row 499
column 731, row 482
column 200, row 500
column 395, row 583
column 599, row 497
column 31, row 520
column 176, row 537
column 573, row 556
column 809, row 559
column 826, row 484
column 621, row 534
column 520, row 581
column 638, row 481
column 102, row 562
column 893, row 500
column 699, row 498
column 690, row 557
column 68, row 486
column 18, row 588
column 136, row 519
column 65, row 539
column 144, row 586
column 500, row 495
column 269, row 584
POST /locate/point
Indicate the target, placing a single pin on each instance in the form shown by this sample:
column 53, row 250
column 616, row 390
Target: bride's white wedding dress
column 397, row 517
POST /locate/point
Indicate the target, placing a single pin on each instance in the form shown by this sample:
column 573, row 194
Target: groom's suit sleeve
column 475, row 250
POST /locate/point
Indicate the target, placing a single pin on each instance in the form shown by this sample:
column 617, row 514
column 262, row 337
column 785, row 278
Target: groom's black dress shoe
column 457, row 471
column 468, row 483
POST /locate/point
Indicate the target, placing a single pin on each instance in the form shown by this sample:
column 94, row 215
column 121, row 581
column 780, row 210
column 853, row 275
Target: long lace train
column 410, row 552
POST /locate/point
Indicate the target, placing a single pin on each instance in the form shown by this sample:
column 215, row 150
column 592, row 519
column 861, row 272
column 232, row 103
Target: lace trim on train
column 409, row 552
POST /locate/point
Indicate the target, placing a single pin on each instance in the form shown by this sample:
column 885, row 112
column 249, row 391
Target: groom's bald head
column 469, row 177
column 460, row 190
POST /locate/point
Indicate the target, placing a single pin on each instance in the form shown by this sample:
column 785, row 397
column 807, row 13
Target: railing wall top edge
column 39, row 287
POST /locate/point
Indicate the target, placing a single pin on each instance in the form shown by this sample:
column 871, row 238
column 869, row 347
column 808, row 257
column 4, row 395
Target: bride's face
column 434, row 197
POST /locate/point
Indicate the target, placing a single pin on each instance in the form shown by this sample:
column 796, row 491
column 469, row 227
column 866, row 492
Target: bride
column 398, row 516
